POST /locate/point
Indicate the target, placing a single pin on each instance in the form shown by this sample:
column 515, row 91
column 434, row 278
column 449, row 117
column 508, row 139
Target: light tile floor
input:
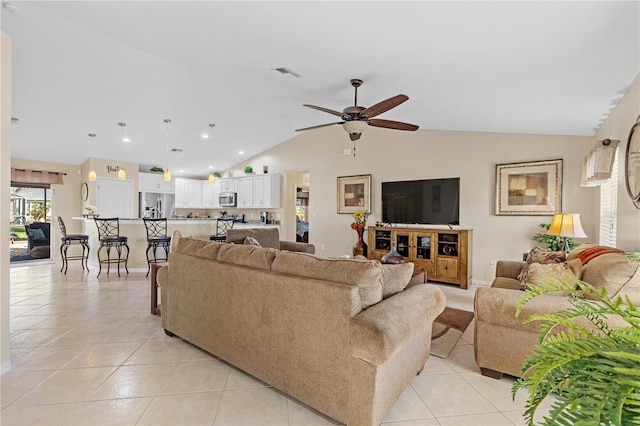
column 87, row 352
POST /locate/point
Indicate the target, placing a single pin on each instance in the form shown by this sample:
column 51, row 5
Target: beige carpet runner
column 447, row 330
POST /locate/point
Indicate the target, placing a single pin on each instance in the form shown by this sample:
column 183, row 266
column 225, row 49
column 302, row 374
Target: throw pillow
column 37, row 234
column 250, row 241
column 395, row 277
column 591, row 253
column 566, row 271
column 540, row 255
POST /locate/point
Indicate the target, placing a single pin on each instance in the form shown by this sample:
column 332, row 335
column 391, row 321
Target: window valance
column 25, row 176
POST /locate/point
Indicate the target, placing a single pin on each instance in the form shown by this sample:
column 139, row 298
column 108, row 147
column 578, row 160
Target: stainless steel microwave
column 227, row 199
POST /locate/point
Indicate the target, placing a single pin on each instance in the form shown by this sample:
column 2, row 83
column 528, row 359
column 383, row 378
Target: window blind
column 608, row 208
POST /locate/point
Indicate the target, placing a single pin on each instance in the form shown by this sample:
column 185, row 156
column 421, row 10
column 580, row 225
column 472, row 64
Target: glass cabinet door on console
column 424, row 245
column 444, row 254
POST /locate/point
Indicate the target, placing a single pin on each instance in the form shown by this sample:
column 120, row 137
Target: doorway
column 30, row 222
column 302, row 214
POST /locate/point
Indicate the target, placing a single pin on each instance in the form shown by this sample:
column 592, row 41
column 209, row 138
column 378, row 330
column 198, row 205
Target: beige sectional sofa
column 315, row 328
column 502, row 341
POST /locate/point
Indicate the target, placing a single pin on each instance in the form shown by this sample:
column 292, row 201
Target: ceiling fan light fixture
column 355, row 127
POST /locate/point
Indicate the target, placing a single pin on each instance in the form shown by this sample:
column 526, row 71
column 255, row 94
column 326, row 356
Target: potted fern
column 592, row 370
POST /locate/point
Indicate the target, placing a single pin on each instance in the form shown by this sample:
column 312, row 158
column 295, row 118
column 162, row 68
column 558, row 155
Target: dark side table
column 155, row 309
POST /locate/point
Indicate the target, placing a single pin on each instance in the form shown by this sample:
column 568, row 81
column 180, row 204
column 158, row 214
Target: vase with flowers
column 360, row 247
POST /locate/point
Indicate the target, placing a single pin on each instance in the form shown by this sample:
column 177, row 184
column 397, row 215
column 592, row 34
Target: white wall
column 397, row 155
column 617, row 126
column 5, row 185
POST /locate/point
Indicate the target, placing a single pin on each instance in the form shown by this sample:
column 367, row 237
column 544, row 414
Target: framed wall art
column 529, row 189
column 354, row 194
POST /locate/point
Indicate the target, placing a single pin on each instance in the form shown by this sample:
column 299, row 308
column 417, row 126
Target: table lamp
column 566, row 225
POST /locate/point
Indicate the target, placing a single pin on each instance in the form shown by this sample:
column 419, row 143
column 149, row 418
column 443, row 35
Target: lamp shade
column 566, row 225
column 355, row 126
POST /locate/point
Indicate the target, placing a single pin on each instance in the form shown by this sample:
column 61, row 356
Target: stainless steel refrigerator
column 156, row 205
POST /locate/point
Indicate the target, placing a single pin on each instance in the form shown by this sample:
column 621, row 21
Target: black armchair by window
column 38, row 234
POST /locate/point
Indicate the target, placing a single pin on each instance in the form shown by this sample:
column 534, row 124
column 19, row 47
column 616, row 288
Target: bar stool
column 69, row 239
column 109, row 236
column 222, row 226
column 156, row 238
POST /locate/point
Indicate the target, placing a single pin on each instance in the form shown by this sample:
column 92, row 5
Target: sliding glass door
column 30, row 217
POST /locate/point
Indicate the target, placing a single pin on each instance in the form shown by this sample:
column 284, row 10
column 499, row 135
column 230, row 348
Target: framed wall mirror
column 632, row 164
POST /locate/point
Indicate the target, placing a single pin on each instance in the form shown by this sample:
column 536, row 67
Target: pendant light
column 92, row 174
column 167, row 173
column 212, row 178
column 122, row 175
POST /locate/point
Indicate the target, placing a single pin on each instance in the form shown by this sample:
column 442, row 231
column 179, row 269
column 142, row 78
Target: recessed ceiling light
column 241, row 152
column 126, row 140
column 205, row 136
column 210, row 167
column 181, row 171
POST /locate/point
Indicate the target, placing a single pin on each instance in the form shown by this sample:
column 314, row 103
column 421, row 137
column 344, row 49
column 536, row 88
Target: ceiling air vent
column 176, row 150
column 285, row 70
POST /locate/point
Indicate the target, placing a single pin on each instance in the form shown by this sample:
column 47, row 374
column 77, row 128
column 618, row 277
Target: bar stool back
column 109, row 236
column 222, row 226
column 69, row 239
column 156, row 238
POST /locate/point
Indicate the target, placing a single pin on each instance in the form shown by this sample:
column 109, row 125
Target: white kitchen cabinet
column 188, row 193
column 266, row 191
column 210, row 194
column 244, row 189
column 227, row 184
column 154, row 182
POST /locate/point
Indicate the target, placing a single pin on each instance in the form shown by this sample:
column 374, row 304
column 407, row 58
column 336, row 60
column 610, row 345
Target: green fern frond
column 593, row 371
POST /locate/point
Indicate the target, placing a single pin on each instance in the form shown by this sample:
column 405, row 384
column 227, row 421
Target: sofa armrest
column 295, row 246
column 162, row 277
column 509, row 268
column 498, row 306
column 380, row 331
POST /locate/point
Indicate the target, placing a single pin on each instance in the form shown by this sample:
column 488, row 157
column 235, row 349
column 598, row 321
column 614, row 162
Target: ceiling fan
column 356, row 119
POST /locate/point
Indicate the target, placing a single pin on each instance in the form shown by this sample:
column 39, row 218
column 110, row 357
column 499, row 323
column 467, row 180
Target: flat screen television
column 428, row 201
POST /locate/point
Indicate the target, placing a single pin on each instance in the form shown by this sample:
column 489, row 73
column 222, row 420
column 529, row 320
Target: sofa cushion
column 199, row 248
column 247, row 255
column 367, row 275
column 615, row 272
column 566, row 271
column 540, row 255
column 36, row 233
column 395, row 278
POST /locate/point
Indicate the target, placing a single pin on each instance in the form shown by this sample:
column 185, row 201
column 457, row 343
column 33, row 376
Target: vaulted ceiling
column 83, row 67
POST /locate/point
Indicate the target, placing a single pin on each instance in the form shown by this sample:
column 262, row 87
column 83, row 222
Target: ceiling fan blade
column 383, row 106
column 397, row 125
column 330, row 111
column 318, row 126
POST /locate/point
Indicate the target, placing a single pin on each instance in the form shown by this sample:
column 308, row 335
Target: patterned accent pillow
column 540, row 255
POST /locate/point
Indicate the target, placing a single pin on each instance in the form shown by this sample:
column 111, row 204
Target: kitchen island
column 134, row 230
